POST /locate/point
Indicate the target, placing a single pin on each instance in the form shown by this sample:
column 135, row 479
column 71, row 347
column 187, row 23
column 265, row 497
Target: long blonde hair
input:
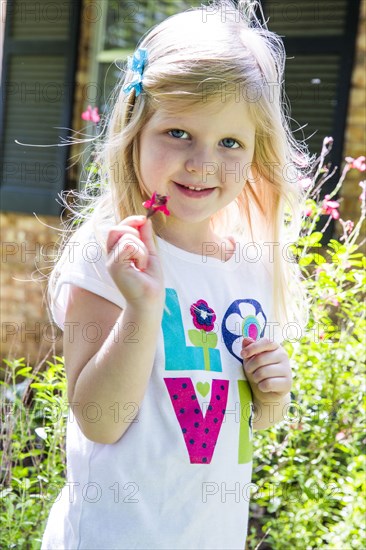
column 209, row 54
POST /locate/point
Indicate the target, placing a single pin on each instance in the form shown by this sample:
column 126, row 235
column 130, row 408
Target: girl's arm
column 109, row 356
column 108, row 366
column 270, row 411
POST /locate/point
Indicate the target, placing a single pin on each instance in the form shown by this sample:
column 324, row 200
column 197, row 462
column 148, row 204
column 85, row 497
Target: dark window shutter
column 311, row 85
column 319, row 37
column 37, row 93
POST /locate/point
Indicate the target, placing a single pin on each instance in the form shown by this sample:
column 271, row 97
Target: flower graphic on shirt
column 244, row 318
column 204, row 318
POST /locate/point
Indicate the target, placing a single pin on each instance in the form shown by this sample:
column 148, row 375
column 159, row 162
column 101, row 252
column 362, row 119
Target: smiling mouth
column 194, row 188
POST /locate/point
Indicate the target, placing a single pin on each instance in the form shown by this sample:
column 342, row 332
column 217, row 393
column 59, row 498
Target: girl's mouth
column 194, row 191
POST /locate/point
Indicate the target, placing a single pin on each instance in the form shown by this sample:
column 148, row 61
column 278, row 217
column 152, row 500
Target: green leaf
column 306, row 260
column 24, row 371
column 195, row 337
column 315, row 237
column 319, row 259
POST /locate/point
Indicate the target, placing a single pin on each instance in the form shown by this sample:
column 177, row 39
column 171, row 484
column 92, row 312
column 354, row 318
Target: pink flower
column 91, row 114
column 156, row 203
column 347, row 225
column 330, row 207
column 359, row 163
column 323, row 268
column 310, row 208
column 329, row 297
column 325, row 149
column 362, row 197
column 308, row 211
column 328, row 140
column 306, row 182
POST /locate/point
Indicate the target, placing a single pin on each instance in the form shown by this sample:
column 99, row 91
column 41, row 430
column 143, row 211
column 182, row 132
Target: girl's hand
column 267, row 368
column 133, row 262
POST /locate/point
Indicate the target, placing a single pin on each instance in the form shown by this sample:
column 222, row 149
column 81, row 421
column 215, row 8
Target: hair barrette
column 136, row 63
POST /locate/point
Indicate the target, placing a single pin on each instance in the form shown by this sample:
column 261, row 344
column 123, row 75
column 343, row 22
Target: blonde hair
column 209, row 54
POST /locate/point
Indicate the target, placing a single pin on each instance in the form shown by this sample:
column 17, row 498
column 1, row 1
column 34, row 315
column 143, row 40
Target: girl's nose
column 197, row 159
column 191, row 166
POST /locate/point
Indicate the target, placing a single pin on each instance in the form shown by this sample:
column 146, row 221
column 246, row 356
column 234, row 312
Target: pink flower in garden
column 347, row 225
column 340, row 436
column 295, row 426
column 306, row 182
column 323, row 268
column 310, row 208
column 325, row 149
column 330, row 207
column 91, row 114
column 359, row 163
column 362, row 197
column 157, row 203
column 329, row 297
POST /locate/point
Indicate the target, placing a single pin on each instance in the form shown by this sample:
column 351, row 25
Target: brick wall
column 27, row 248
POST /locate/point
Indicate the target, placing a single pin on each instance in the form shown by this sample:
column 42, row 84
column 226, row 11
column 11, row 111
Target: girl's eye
column 177, row 133
column 230, row 143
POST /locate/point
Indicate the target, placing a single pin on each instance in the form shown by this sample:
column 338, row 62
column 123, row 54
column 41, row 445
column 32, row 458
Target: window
column 37, row 80
column 319, row 37
column 123, row 23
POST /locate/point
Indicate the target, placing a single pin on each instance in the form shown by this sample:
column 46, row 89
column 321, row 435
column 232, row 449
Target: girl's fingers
column 128, row 250
column 251, row 347
column 147, row 236
column 128, row 225
column 268, row 371
column 278, row 385
column 116, row 233
column 265, row 358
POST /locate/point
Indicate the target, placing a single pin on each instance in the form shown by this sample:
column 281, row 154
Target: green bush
column 309, row 471
column 33, row 428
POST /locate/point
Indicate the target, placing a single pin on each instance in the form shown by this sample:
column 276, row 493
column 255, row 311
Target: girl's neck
column 194, row 240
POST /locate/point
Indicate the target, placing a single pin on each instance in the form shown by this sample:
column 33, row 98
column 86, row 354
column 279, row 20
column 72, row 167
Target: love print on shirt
column 200, row 431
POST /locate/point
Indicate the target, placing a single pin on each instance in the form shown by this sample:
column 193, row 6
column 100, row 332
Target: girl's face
column 199, row 157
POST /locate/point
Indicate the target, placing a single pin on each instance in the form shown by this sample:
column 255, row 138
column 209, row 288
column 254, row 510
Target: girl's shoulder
column 83, row 264
column 258, row 254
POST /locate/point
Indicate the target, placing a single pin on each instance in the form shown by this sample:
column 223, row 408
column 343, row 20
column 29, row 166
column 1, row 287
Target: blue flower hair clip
column 137, row 64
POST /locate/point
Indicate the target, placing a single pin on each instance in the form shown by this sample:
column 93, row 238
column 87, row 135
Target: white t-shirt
column 179, row 478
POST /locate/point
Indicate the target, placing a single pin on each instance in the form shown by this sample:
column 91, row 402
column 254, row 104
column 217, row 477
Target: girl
column 173, row 325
